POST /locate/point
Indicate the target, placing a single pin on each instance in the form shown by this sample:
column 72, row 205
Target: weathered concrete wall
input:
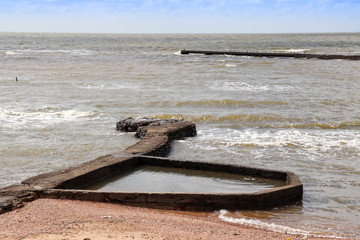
column 272, row 55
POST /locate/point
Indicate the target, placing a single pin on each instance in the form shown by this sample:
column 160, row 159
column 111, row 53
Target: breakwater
column 274, row 54
column 156, row 136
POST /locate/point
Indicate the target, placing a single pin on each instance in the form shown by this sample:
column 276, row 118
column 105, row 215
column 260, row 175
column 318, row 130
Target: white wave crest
column 41, row 118
column 11, row 53
column 74, row 52
column 236, row 86
column 260, row 224
column 243, row 86
column 106, row 87
column 313, row 141
column 91, row 86
column 293, row 50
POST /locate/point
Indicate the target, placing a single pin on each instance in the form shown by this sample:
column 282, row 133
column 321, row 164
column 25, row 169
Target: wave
column 168, row 116
column 226, row 118
column 243, row 86
column 293, row 50
column 11, row 53
column 260, row 224
column 308, row 141
column 260, row 121
column 48, row 113
column 323, row 125
column 43, row 117
column 234, row 86
column 73, row 52
column 105, row 87
column 234, row 118
column 219, row 103
column 275, row 227
column 229, row 102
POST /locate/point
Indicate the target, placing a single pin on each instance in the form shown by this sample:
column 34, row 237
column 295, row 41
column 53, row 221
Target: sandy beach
column 69, row 220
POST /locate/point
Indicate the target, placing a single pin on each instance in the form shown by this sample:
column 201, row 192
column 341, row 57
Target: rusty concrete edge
column 54, row 184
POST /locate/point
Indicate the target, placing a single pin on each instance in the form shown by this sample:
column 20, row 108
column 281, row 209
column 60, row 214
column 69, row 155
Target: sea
column 298, row 115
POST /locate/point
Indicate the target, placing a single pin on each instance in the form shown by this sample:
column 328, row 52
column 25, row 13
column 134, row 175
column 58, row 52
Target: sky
column 180, row 16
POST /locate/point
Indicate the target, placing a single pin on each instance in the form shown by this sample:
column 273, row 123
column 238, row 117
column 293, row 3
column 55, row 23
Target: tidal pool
column 163, row 179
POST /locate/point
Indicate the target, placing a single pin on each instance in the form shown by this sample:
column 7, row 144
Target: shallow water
column 286, row 114
column 161, row 179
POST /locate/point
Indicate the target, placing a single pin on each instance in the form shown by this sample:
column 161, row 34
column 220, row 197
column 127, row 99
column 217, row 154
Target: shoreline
column 72, row 219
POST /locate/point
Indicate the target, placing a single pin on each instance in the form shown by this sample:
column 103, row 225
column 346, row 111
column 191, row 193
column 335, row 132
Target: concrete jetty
column 155, row 140
column 274, row 54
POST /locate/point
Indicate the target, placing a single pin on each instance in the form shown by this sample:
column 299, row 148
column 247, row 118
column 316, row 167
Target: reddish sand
column 69, row 220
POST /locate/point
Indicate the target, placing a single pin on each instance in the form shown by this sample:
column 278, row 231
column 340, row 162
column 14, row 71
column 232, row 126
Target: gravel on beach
column 69, row 220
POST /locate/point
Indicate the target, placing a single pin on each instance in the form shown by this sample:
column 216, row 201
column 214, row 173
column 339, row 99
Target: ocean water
column 296, row 115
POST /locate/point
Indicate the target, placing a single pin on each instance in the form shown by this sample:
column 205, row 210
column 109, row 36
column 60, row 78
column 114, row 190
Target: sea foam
column 294, row 50
column 260, row 224
column 42, row 118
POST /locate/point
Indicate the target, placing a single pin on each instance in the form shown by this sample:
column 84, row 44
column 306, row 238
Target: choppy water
column 288, row 114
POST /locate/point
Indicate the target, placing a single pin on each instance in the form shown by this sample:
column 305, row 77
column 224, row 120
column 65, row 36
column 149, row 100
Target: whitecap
column 11, row 53
column 91, row 86
column 106, row 87
column 243, row 86
column 82, row 52
column 74, row 52
column 294, row 50
column 75, row 114
column 315, row 142
column 230, row 65
column 40, row 119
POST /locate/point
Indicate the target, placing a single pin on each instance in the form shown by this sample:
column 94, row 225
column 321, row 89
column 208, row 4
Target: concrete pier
column 273, row 55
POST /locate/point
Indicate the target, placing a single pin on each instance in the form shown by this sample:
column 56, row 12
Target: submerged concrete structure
column 155, row 138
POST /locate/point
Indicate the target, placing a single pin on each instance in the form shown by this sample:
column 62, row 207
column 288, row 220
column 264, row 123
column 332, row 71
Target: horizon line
column 45, row 32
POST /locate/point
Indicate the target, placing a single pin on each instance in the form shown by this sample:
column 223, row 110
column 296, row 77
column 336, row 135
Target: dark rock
column 14, row 197
column 132, row 124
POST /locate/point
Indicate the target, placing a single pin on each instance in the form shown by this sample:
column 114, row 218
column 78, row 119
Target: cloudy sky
column 180, row 16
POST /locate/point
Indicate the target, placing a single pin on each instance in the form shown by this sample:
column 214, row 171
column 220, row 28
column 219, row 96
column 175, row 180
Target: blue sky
column 180, row 16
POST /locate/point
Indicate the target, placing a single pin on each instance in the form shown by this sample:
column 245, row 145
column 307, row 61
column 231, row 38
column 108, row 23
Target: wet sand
column 69, row 220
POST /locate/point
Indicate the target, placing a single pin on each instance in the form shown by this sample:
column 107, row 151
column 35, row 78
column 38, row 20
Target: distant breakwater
column 274, row 54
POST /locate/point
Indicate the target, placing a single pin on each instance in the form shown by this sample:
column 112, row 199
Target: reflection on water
column 160, row 179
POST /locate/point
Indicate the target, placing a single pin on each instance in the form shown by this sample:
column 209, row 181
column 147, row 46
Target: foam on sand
column 261, row 224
